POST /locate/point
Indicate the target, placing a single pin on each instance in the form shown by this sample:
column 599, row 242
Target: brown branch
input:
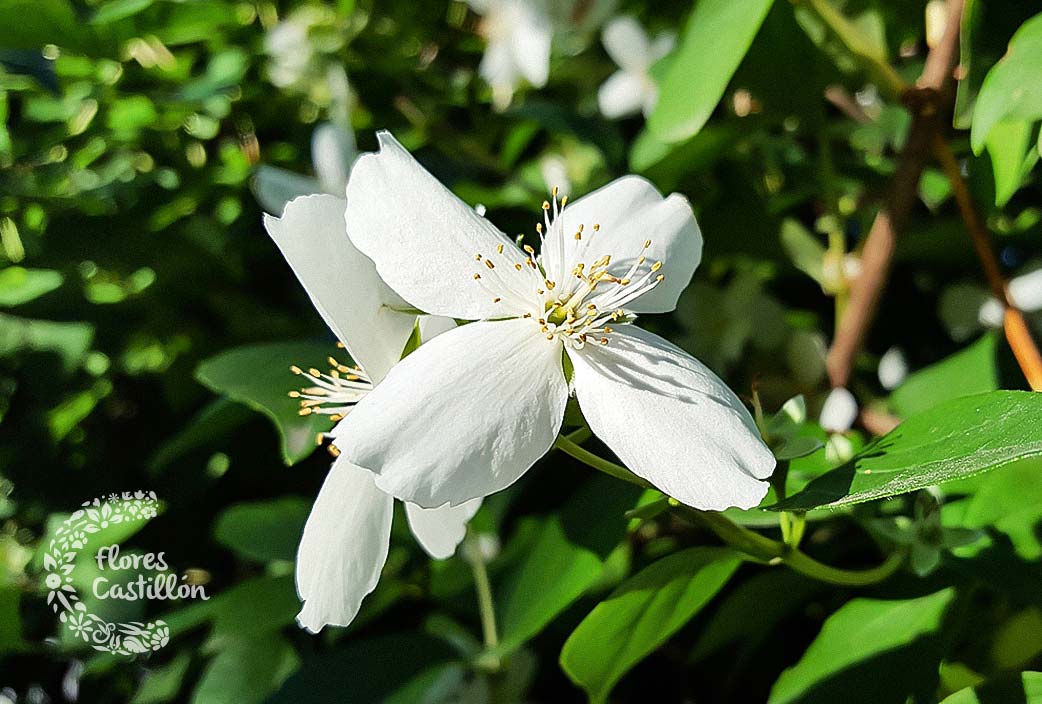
column 1017, row 333
column 930, row 90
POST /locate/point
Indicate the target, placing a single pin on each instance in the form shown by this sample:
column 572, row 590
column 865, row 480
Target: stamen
column 334, row 393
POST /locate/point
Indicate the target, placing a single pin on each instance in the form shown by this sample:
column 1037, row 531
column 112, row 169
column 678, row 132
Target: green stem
column 758, row 547
column 851, row 39
column 567, row 446
column 486, row 606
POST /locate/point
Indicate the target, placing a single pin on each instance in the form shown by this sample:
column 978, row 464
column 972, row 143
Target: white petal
column 627, row 43
column 992, row 313
column 344, row 547
column 662, row 44
column 424, row 239
column 333, row 151
column 623, row 94
column 440, row 530
column 893, row 368
column 433, row 325
column 839, row 411
column 274, row 187
column 1026, row 291
column 671, row 420
column 530, row 42
column 463, row 416
column 629, row 211
column 342, row 282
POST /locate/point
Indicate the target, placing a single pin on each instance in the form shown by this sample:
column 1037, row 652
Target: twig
column 1017, row 334
column 880, row 244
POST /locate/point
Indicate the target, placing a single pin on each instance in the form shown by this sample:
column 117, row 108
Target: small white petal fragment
column 333, row 151
column 671, row 420
column 344, row 547
column 472, row 410
column 275, row 187
column 893, row 368
column 341, row 282
column 839, row 412
column 439, row 531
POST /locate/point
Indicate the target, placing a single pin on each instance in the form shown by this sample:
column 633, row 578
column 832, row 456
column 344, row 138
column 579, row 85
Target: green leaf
column 1012, row 158
column 70, row 341
column 969, row 371
column 162, row 684
column 246, row 671
column 1023, row 688
column 264, row 530
column 715, row 39
column 1013, row 87
column 119, row 9
column 566, row 559
column 1005, row 501
column 642, row 614
column 954, row 440
column 19, row 285
column 214, row 422
column 259, row 376
column 804, row 249
column 367, row 671
column 11, row 620
column 870, row 650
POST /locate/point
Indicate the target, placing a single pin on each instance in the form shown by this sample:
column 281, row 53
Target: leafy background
column 148, row 324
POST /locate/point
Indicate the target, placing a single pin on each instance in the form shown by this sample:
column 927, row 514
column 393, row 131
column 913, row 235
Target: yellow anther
column 528, row 248
column 304, row 412
column 647, row 243
column 497, row 299
column 564, row 201
column 578, row 235
column 656, row 266
column 553, row 191
column 596, row 226
column 603, row 340
column 477, row 276
column 489, row 264
column 660, row 277
column 608, row 329
column 294, row 394
column 624, row 282
column 499, row 248
column 315, row 373
column 336, row 417
column 333, row 450
column 477, row 257
column 296, row 370
column 527, row 315
column 550, row 284
column 539, row 229
column 546, row 205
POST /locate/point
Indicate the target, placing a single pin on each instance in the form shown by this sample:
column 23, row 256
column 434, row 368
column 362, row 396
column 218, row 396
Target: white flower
column 518, row 33
column 631, row 89
column 839, row 411
column 346, row 537
column 468, row 413
column 893, row 368
column 333, row 151
column 290, row 50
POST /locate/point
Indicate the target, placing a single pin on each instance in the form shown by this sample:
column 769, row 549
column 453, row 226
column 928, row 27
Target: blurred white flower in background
column 967, row 308
column 346, row 538
column 333, row 151
column 631, row 89
column 519, row 35
column 839, row 411
column 290, row 50
column 893, row 368
column 554, row 171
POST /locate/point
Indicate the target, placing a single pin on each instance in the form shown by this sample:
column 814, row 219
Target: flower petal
column 627, row 44
column 440, row 530
column 424, row 239
column 333, row 151
column 274, row 187
column 530, row 42
column 671, row 420
column 344, row 547
column 433, row 325
column 463, row 416
column 342, row 282
column 630, row 211
column 624, row 93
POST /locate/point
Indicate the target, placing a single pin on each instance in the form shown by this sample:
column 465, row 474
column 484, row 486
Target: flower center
column 591, row 292
column 333, row 393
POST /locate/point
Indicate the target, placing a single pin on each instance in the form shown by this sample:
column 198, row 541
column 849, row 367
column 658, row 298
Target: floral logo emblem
column 71, row 538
